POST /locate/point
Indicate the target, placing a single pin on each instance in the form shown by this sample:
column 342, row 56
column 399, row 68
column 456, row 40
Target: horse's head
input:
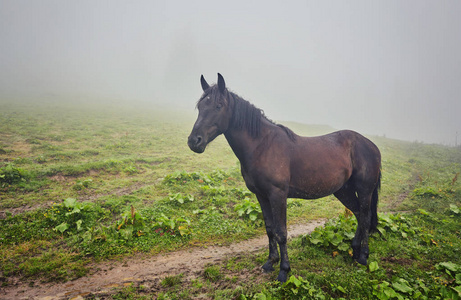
column 214, row 115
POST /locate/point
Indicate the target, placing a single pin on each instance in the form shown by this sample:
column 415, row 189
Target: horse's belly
column 305, row 195
column 313, row 192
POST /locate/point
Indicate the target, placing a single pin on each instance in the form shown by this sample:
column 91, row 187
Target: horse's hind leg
column 268, row 220
column 364, row 225
column 349, row 199
column 359, row 202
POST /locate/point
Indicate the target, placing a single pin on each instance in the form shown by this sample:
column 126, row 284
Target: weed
column 293, row 288
column 71, row 215
column 184, row 177
column 293, row 203
column 131, row 169
column 132, row 225
column 10, row 174
column 249, row 210
column 130, row 292
column 214, row 190
column 82, row 184
column 171, row 226
column 171, row 281
column 455, row 209
column 336, row 235
column 178, row 198
column 213, row 273
column 241, row 193
column 396, row 223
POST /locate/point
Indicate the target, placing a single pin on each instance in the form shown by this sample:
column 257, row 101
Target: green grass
column 81, row 183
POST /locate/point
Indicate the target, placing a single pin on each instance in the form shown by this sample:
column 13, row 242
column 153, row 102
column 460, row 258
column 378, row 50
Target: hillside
column 83, row 184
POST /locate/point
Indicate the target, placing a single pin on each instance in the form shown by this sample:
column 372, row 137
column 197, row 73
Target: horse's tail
column 374, row 205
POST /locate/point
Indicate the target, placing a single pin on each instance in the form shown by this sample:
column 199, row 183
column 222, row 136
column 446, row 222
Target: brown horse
column 277, row 164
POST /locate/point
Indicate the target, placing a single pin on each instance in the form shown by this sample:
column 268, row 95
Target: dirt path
column 118, row 274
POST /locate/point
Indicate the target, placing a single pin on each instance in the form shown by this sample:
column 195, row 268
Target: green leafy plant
column 179, row 198
column 166, row 225
column 396, row 223
column 216, row 177
column 250, row 210
column 452, row 287
column 293, row 203
column 400, row 288
column 70, row 213
column 373, row 266
column 241, row 193
column 455, row 209
column 298, row 287
column 83, row 184
column 214, row 190
column 337, row 234
column 131, row 169
column 131, row 225
column 182, row 177
column 10, row 174
column 427, row 191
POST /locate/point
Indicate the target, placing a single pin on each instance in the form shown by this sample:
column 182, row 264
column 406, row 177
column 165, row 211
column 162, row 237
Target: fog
column 379, row 67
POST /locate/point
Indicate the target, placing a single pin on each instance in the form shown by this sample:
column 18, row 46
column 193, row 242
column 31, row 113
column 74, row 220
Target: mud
column 116, row 274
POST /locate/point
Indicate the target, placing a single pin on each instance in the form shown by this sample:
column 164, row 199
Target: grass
column 82, row 183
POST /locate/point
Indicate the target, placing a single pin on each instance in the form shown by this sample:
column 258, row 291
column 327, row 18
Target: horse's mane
column 247, row 116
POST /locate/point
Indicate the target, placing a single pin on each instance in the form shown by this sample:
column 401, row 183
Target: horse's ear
column 205, row 85
column 221, row 83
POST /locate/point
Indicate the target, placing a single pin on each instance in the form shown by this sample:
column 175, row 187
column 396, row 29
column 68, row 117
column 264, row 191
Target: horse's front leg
column 278, row 203
column 273, row 251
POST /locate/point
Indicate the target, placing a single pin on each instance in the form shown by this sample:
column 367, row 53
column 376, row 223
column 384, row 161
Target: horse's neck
column 236, row 140
column 243, row 144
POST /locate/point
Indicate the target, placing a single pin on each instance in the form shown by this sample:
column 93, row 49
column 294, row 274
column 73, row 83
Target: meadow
column 82, row 183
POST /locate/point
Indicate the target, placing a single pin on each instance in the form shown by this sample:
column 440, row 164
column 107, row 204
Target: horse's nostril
column 199, row 140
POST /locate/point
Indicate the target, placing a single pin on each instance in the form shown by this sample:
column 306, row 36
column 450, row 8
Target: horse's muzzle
column 196, row 143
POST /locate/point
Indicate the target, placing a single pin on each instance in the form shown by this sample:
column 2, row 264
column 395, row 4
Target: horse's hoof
column 267, row 267
column 355, row 256
column 283, row 275
column 362, row 260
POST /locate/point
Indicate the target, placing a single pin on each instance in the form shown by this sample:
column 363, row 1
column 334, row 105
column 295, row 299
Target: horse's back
column 321, row 165
column 365, row 157
column 346, row 142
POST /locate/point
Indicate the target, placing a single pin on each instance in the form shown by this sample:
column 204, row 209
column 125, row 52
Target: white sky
column 378, row 67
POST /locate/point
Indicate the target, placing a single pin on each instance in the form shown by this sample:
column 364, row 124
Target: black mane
column 245, row 115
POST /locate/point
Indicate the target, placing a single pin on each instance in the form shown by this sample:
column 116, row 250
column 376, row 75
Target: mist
column 388, row 68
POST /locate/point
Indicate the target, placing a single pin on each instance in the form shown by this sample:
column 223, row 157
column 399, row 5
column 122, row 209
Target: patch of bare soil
column 21, row 209
column 148, row 271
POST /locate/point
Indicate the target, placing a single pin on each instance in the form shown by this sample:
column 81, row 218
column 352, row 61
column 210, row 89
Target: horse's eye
column 218, row 106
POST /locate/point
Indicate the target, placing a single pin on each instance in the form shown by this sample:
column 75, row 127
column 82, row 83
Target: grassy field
column 82, row 183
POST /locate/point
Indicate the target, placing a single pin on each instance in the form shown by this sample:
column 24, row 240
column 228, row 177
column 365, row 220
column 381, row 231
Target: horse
column 277, row 164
